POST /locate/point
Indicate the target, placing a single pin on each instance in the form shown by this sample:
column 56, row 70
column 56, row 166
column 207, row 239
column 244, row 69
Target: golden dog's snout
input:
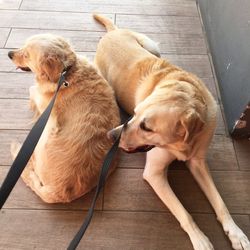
column 10, row 54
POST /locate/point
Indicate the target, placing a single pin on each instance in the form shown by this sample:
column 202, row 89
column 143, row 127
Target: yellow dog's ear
column 191, row 124
column 51, row 67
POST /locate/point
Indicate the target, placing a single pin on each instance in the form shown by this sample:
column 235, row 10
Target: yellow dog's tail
column 105, row 21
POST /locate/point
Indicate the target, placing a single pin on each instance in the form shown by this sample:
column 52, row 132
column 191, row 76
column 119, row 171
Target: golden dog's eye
column 144, row 127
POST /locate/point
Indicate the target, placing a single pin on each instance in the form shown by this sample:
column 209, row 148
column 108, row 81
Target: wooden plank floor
column 128, row 213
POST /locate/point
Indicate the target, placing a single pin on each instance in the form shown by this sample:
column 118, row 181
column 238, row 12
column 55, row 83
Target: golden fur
column 172, row 111
column 66, row 162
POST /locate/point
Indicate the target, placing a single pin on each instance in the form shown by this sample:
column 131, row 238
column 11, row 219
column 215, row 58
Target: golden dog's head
column 46, row 55
column 169, row 116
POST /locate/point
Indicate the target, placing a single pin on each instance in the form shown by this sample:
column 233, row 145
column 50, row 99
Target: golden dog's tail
column 105, row 21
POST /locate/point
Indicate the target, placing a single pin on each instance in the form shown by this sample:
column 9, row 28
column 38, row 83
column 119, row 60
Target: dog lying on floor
column 174, row 116
column 66, row 162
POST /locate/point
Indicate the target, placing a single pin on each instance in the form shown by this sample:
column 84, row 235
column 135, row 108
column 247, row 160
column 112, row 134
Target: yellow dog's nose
column 113, row 134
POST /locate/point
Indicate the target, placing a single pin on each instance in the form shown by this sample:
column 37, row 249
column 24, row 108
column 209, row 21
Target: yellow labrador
column 174, row 116
column 66, row 162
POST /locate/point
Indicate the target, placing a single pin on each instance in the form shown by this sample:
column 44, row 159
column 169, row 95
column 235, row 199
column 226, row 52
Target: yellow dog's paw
column 239, row 240
column 237, row 237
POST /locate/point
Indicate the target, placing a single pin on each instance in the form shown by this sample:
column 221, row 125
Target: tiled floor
column 129, row 215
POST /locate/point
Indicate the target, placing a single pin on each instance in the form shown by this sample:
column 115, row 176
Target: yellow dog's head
column 172, row 114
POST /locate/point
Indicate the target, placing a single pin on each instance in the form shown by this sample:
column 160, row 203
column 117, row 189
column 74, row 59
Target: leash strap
column 27, row 149
column 104, row 171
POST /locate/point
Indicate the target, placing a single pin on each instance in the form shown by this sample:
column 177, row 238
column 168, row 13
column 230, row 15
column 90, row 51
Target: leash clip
column 62, row 79
column 65, row 84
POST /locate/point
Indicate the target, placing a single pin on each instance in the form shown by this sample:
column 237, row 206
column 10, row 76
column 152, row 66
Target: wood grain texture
column 126, row 190
column 242, row 148
column 4, row 35
column 22, row 197
column 149, row 7
column 15, row 114
column 132, row 160
column 108, row 230
column 220, row 129
column 160, row 24
column 15, row 85
column 81, row 40
column 10, row 4
column 197, row 64
column 87, row 41
column 180, row 43
column 6, row 138
column 210, row 83
column 221, row 154
column 51, row 20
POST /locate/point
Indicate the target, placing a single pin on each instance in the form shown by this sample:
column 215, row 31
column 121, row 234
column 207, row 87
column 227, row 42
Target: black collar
column 67, row 68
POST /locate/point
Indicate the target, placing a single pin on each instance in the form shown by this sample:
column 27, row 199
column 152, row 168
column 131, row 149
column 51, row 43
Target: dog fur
column 172, row 111
column 66, row 162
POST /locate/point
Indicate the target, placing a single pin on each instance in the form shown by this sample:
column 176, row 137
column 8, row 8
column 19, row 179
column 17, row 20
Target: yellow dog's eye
column 144, row 127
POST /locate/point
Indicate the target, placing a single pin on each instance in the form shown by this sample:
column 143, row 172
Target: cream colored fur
column 173, row 111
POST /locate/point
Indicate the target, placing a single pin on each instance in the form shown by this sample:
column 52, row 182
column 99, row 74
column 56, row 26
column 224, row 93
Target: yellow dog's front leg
column 154, row 174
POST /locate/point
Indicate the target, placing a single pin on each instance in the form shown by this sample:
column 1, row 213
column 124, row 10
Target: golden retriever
column 174, row 116
column 66, row 162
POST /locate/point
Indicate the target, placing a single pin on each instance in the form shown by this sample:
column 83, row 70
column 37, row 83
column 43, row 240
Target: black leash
column 26, row 151
column 27, row 148
column 104, row 171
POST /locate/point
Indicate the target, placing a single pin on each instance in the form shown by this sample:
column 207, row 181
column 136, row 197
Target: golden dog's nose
column 11, row 54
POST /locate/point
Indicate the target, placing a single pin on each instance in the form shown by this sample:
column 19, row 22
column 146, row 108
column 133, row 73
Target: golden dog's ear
column 51, row 68
column 189, row 126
